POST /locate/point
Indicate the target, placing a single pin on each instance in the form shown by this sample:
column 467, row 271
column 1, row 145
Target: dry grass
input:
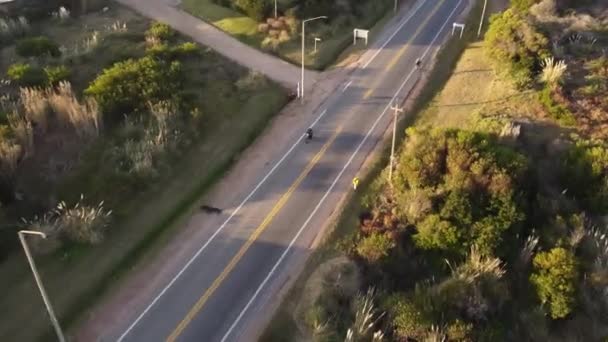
column 35, row 107
column 553, row 71
column 84, row 117
column 10, row 154
column 23, row 131
column 472, row 86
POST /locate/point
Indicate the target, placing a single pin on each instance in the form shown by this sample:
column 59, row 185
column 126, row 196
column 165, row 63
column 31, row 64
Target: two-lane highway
column 232, row 277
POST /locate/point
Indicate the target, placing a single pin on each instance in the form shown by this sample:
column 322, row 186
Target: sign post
column 359, row 33
column 457, row 26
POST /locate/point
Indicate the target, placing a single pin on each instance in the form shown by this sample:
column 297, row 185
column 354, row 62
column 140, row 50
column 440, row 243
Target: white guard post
column 457, row 26
column 359, row 33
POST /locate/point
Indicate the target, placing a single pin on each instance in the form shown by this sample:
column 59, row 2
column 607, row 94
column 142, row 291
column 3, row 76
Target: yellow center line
column 258, row 231
column 401, row 51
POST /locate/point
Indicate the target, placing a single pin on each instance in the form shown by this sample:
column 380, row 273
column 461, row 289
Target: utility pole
column 45, row 298
column 396, row 6
column 396, row 110
column 483, row 14
column 275, row 9
column 302, row 86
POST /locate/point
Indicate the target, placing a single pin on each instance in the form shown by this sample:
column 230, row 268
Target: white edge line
column 394, row 33
column 179, row 274
column 347, row 85
column 292, row 242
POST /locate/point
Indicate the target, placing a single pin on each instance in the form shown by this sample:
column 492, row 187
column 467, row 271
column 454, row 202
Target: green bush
column 556, row 110
column 187, row 49
column 132, row 84
column 555, row 275
column 515, row 46
column 37, row 46
column 160, row 31
column 256, row 9
column 375, row 247
column 26, row 75
column 57, row 74
column 409, row 320
column 471, row 182
column 435, row 233
column 585, row 174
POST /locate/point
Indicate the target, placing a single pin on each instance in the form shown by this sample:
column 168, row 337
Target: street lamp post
column 275, row 9
column 303, row 35
column 483, row 13
column 396, row 110
column 395, row 6
column 45, row 298
column 317, row 39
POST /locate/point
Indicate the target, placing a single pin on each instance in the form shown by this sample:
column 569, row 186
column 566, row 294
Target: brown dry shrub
column 84, row 117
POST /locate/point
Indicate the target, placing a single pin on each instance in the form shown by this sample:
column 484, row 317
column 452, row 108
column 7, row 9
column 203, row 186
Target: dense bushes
column 133, row 84
column 470, row 181
column 37, row 47
column 515, row 46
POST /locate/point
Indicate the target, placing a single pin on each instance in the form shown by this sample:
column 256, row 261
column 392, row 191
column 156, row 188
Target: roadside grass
column 335, row 38
column 77, row 276
column 283, row 327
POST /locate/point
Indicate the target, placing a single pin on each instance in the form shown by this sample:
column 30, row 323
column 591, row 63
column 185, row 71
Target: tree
column 555, row 274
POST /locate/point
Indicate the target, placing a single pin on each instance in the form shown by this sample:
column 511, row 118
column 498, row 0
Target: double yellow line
column 401, row 51
column 258, row 231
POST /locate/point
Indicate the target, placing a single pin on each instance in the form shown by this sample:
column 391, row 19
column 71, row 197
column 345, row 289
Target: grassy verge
column 233, row 112
column 335, row 37
column 283, row 327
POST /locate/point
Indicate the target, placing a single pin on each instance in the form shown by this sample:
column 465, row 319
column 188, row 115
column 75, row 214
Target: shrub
column 57, row 74
column 515, row 46
column 131, row 84
column 409, row 320
column 187, row 49
column 375, row 247
column 160, row 31
column 435, row 233
column 256, row 9
column 37, row 46
column 26, row 75
column 555, row 275
column 82, row 223
column 556, row 110
column 584, row 173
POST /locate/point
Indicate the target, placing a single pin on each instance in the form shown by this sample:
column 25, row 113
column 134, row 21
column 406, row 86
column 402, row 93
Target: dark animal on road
column 211, row 210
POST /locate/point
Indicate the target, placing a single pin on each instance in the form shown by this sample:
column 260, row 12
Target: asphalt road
column 221, row 290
